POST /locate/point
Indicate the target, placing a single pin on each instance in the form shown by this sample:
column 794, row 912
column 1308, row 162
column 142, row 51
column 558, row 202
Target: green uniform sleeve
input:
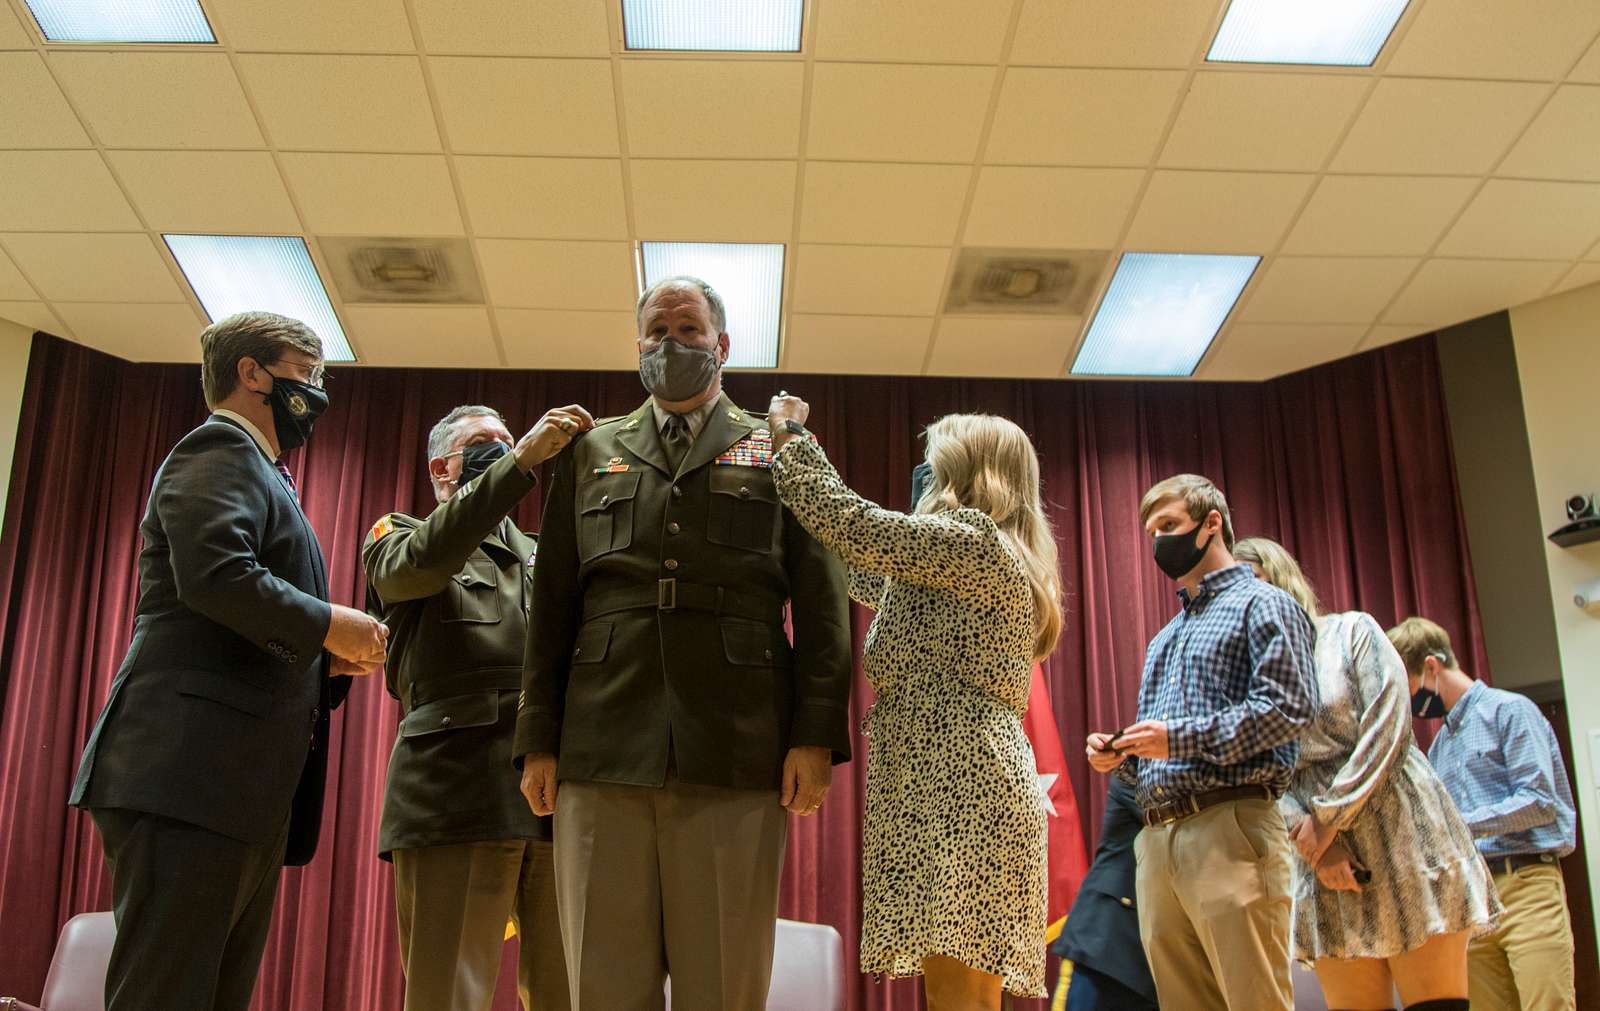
column 557, row 612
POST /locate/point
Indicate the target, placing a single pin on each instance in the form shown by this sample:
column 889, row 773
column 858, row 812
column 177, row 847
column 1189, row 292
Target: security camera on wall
column 1583, row 522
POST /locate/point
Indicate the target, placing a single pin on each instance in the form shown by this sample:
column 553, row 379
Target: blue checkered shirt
column 1498, row 757
column 1233, row 677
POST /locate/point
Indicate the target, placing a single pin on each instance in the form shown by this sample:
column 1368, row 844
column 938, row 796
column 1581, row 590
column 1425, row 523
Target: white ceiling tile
column 382, row 103
column 1256, row 351
column 12, row 34
column 925, row 31
column 902, row 280
column 1271, row 121
column 856, row 345
column 536, row 107
column 881, row 112
column 374, row 194
column 1449, row 291
column 139, row 333
column 1527, row 220
column 568, row 339
column 740, row 108
column 514, row 27
column 13, row 286
column 34, row 315
column 114, row 267
column 1081, row 117
column 534, row 274
column 154, row 100
column 1588, row 68
column 1378, row 215
column 1108, row 33
column 1307, row 289
column 1389, row 333
column 219, row 192
column 1020, row 348
column 1563, row 141
column 1062, row 208
column 1580, row 276
column 711, row 201
column 1443, row 127
column 1528, row 40
column 1217, row 212
column 875, row 202
column 543, row 198
column 421, row 336
column 61, row 191
column 313, row 26
column 35, row 113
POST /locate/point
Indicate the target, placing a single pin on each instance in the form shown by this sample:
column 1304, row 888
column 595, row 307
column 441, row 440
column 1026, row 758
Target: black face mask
column 1178, row 554
column 477, row 459
column 295, row 409
column 921, row 474
column 1427, row 704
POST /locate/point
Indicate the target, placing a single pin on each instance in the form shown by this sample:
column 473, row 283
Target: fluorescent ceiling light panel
column 272, row 273
column 1161, row 312
column 121, row 20
column 748, row 276
column 742, row 26
column 1342, row 33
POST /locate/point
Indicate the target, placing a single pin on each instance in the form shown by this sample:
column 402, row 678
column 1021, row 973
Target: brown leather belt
column 677, row 595
column 1166, row 814
column 1512, row 864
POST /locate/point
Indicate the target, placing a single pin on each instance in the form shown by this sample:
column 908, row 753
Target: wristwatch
column 794, row 427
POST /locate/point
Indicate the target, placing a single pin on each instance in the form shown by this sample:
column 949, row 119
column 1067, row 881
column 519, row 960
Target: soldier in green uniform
column 661, row 690
column 455, row 590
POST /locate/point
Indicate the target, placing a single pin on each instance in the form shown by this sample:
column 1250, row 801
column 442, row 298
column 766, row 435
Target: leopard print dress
column 954, row 841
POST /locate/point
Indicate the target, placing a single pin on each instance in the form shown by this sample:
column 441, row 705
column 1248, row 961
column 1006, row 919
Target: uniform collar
column 696, row 418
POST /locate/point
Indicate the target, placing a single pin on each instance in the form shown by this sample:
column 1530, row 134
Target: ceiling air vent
column 403, row 270
column 1041, row 282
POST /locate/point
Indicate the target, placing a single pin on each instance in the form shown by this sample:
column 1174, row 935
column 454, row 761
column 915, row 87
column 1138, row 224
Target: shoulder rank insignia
column 381, row 529
column 754, row 450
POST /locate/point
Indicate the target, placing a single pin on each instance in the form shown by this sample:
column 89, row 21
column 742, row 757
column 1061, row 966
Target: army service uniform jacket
column 658, row 614
column 454, row 590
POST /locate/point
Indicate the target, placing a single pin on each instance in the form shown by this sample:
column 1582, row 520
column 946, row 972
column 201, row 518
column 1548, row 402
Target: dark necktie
column 675, row 440
column 288, row 478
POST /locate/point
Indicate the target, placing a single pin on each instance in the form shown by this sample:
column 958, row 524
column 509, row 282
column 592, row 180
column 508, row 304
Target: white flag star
column 1046, row 781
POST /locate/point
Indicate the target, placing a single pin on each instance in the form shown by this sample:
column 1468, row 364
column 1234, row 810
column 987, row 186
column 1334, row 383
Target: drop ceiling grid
column 937, row 44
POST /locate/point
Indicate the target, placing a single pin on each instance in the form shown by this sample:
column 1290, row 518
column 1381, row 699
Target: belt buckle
column 666, row 594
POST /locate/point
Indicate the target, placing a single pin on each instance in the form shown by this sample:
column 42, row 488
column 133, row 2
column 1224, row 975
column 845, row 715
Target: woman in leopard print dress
column 967, row 598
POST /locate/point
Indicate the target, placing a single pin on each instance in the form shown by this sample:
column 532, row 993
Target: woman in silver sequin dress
column 1365, row 799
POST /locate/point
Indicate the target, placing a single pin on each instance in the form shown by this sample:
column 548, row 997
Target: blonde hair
column 1199, row 496
column 1281, row 570
column 985, row 462
column 1416, row 639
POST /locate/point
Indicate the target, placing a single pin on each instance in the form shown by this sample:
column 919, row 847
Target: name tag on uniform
column 754, row 450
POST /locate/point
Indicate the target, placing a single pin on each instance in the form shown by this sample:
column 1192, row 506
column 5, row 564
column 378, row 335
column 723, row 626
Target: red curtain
column 1349, row 464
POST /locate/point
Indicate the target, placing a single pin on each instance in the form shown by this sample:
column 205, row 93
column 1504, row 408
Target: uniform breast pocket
column 605, row 515
column 474, row 593
column 743, row 511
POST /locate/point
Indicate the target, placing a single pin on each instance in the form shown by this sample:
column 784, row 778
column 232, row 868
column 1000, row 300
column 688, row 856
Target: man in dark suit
column 456, row 589
column 204, row 773
column 658, row 669
column 1101, row 936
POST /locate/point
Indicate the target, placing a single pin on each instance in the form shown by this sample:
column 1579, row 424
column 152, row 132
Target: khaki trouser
column 1527, row 963
column 1214, row 908
column 453, row 903
column 679, row 880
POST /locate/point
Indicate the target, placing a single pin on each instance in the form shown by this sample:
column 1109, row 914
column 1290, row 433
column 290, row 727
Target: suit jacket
column 658, row 614
column 1102, row 930
column 455, row 590
column 219, row 713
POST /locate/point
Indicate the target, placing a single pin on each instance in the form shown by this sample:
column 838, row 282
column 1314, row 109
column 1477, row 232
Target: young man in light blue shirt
column 1498, row 757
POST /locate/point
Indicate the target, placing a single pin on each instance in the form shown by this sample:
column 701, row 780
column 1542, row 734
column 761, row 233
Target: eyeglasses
column 316, row 375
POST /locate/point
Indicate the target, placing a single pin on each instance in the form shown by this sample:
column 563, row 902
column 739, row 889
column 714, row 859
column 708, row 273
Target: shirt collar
column 245, row 423
column 1458, row 712
column 1215, row 582
column 696, row 419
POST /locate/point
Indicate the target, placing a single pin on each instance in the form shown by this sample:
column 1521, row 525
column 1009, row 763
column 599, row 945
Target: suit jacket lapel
column 726, row 426
column 639, row 437
column 313, row 546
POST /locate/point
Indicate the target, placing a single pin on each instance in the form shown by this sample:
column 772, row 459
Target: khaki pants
column 1214, row 908
column 1527, row 963
column 679, row 880
column 453, row 903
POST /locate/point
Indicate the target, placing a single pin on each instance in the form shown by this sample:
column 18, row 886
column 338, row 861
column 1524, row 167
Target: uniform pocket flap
column 749, row 644
column 607, row 490
column 476, row 709
column 748, row 483
column 228, row 691
column 479, row 571
column 593, row 643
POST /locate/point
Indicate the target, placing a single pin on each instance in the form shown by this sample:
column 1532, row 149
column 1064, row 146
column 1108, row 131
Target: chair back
column 77, row 978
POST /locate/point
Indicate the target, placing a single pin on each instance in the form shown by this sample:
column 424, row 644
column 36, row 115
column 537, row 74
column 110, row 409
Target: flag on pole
column 1068, row 860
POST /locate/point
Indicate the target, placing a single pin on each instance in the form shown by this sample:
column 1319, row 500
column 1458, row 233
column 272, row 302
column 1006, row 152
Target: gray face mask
column 673, row 372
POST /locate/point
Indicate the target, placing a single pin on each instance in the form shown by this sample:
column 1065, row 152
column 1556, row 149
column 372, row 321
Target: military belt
column 677, row 595
column 491, row 679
